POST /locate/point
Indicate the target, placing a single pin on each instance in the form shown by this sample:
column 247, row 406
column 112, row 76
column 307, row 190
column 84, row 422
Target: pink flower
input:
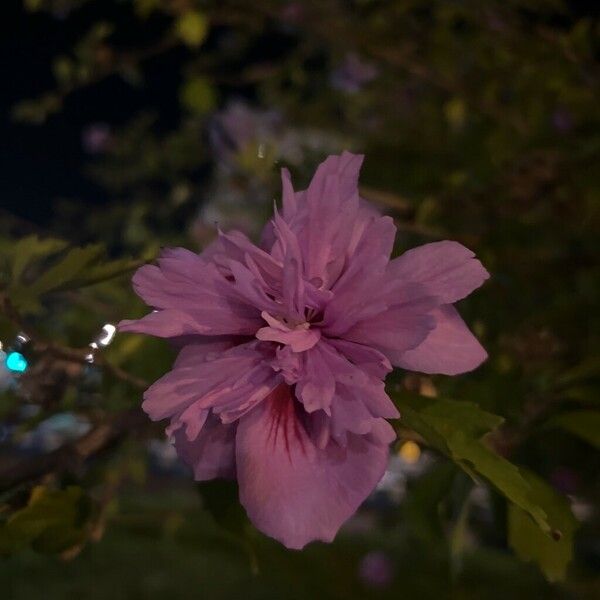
column 285, row 346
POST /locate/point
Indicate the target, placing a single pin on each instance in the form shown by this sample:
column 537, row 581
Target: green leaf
column 46, row 508
column 455, row 429
column 437, row 418
column 103, row 272
column 31, row 248
column 52, row 521
column 411, row 418
column 65, row 270
column 478, row 460
column 78, row 268
column 588, row 369
column 582, row 423
column 473, row 420
column 192, row 27
column 551, row 552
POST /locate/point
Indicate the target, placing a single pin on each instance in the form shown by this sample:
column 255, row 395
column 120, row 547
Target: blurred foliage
column 52, row 522
column 480, row 123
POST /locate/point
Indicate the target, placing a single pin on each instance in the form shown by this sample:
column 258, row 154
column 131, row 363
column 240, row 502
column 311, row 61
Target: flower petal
column 331, row 203
column 163, row 323
column 356, row 291
column 288, row 196
column 212, row 453
column 198, row 349
column 203, row 301
column 368, row 359
column 450, row 348
column 448, row 269
column 398, row 329
column 235, row 245
column 291, row 489
column 185, row 385
column 316, row 387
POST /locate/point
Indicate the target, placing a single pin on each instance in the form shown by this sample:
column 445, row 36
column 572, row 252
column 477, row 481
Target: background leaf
column 456, row 430
column 32, row 248
column 582, row 423
column 52, row 521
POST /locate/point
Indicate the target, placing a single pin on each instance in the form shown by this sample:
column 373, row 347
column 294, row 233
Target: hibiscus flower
column 285, row 346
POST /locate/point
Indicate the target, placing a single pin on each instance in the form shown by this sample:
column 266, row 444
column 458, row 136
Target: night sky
column 41, row 163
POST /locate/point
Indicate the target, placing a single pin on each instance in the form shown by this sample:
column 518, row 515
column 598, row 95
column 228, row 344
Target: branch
column 71, row 456
column 76, row 355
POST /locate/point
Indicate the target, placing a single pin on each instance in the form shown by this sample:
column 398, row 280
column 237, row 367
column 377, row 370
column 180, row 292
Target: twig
column 76, row 355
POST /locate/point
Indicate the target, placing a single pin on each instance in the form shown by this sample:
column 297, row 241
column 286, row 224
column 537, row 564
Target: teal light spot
column 16, row 362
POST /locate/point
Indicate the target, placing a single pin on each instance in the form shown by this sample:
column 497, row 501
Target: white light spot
column 107, row 335
column 22, row 338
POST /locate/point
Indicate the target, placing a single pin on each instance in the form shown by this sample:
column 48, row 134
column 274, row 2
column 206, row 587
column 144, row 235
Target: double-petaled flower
column 285, row 347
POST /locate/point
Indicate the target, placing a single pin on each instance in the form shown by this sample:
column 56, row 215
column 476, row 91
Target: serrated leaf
column 67, row 269
column 582, row 423
column 474, row 421
column 438, row 417
column 478, row 460
column 553, row 552
column 78, row 268
column 455, row 429
column 103, row 272
column 31, row 248
column 412, row 419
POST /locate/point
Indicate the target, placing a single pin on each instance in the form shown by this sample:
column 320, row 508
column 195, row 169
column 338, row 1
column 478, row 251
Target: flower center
column 298, row 336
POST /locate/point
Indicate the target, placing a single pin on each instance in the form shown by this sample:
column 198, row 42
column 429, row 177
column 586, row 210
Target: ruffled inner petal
column 212, row 453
